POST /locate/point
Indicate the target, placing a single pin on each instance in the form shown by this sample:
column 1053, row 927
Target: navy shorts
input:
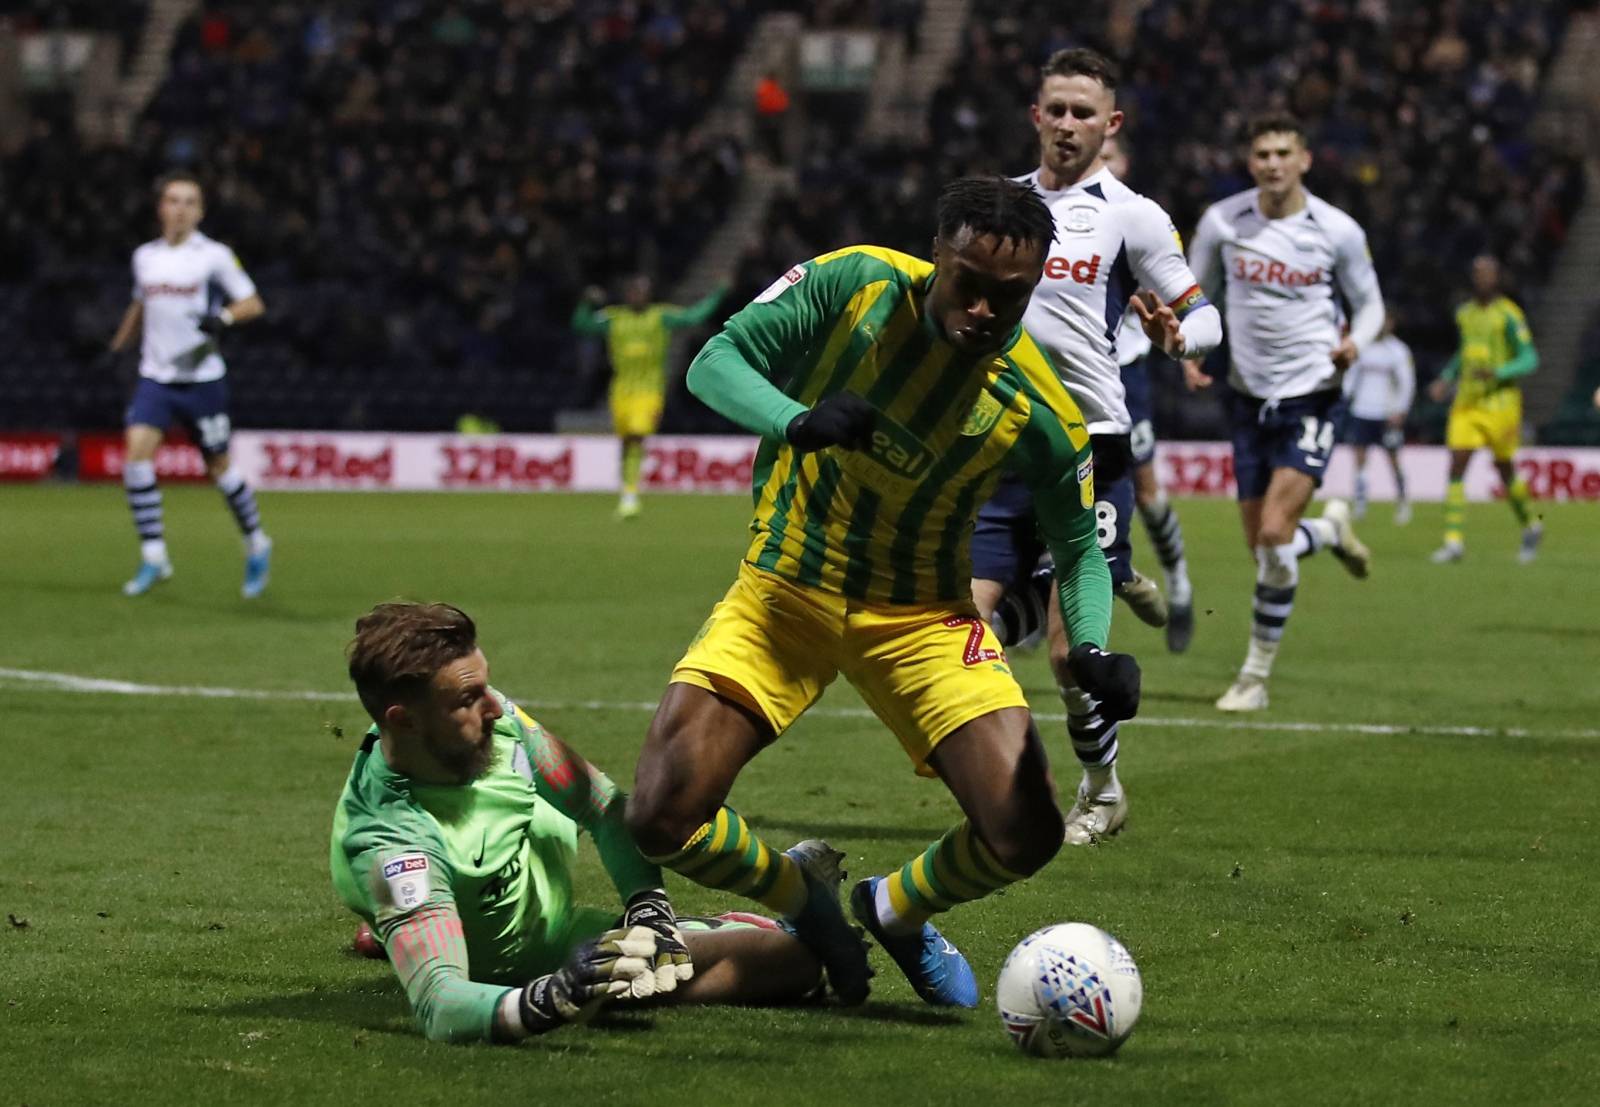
column 1297, row 433
column 1356, row 431
column 1005, row 541
column 1141, row 409
column 200, row 408
column 1006, row 546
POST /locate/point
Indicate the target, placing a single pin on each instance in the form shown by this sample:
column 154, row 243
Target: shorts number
column 1142, row 439
column 1317, row 438
column 975, row 653
column 213, row 430
column 1105, row 523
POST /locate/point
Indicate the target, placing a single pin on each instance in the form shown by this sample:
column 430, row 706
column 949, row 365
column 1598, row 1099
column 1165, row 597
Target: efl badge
column 984, row 414
column 407, row 877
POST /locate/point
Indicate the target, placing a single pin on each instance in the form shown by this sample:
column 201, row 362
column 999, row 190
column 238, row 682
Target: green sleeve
column 1452, row 368
column 1524, row 358
column 588, row 797
column 732, row 387
column 697, row 312
column 737, row 373
column 429, row 955
column 587, row 321
column 1061, row 477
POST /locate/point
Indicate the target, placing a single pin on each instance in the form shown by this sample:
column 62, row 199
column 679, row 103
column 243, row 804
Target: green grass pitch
column 1323, row 913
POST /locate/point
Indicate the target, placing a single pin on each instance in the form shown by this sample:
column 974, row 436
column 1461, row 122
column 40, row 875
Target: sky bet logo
column 1084, row 272
column 401, row 865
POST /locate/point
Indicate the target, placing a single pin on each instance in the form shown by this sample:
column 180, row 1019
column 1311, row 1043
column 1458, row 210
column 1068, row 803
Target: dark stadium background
column 422, row 189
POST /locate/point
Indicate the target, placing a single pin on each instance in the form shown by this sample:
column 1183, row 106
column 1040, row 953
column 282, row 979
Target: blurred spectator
column 772, row 115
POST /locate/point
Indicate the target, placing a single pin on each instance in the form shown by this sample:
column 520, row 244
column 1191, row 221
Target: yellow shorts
column 635, row 414
column 925, row 669
column 1472, row 428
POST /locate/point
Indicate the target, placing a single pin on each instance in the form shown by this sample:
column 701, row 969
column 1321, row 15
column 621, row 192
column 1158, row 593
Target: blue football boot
column 150, row 574
column 936, row 969
column 257, row 568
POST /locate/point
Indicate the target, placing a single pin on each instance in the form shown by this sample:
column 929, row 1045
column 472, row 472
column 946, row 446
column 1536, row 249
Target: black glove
column 213, row 325
column 651, row 908
column 1111, row 678
column 618, row 963
column 843, row 419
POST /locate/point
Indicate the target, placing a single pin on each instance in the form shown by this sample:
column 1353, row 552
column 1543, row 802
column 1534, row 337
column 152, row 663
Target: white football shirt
column 1110, row 242
column 1279, row 281
column 174, row 284
column 1382, row 382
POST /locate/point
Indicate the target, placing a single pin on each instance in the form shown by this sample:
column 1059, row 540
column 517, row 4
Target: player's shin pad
column 726, row 854
column 958, row 868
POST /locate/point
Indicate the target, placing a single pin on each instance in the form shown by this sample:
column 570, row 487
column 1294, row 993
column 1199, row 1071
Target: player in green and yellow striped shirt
column 1496, row 353
column 890, row 395
column 637, row 333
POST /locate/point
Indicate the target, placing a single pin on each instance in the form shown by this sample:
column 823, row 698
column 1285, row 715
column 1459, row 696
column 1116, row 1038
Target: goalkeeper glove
column 617, row 963
column 214, row 325
column 843, row 419
column 652, row 909
column 1111, row 678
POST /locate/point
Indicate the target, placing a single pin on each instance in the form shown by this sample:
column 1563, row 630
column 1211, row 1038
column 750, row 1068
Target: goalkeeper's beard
column 465, row 763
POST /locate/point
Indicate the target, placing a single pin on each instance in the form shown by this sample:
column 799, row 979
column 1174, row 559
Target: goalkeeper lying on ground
column 454, row 840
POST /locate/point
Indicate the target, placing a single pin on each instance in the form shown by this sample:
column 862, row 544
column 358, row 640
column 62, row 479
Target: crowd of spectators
column 420, row 187
column 1419, row 116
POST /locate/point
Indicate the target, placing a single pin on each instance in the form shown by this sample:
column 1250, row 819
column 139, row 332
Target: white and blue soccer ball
column 1069, row 990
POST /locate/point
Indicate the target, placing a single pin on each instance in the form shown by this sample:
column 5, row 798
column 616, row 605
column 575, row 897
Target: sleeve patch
column 777, row 288
column 1086, row 484
column 407, row 878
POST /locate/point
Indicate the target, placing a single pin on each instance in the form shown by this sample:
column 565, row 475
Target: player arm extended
column 696, row 313
column 132, row 320
column 429, row 953
column 589, row 798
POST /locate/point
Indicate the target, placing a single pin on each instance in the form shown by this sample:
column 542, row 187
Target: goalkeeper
column 454, row 841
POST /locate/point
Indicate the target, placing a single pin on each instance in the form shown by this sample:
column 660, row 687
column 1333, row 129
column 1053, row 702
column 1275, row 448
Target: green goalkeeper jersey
column 893, row 523
column 497, row 852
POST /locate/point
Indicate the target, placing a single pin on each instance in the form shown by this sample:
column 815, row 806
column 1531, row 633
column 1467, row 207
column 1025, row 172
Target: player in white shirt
column 1378, row 389
column 1110, row 242
column 1279, row 259
column 1134, row 354
column 181, row 374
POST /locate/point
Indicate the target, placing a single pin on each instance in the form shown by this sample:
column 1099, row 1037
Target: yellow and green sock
column 632, row 462
column 1521, row 501
column 1455, row 512
column 726, row 854
column 958, row 868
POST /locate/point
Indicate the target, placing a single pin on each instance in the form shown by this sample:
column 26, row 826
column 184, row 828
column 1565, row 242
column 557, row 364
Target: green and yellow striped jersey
column 893, row 523
column 637, row 338
column 1494, row 338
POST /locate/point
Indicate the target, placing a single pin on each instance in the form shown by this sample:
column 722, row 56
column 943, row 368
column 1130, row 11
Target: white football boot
column 1246, row 693
column 1350, row 550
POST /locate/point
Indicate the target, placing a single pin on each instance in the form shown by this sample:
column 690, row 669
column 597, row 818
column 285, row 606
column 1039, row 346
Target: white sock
column 153, row 550
column 257, row 542
column 1101, row 783
column 887, row 918
column 1179, row 590
column 1258, row 661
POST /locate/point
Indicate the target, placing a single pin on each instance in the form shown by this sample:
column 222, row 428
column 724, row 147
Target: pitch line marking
column 39, row 680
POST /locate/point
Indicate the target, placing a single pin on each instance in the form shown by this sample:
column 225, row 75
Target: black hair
column 1276, row 123
column 995, row 205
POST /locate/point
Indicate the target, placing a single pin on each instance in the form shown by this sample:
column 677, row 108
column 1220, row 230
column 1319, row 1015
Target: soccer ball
column 1069, row 990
